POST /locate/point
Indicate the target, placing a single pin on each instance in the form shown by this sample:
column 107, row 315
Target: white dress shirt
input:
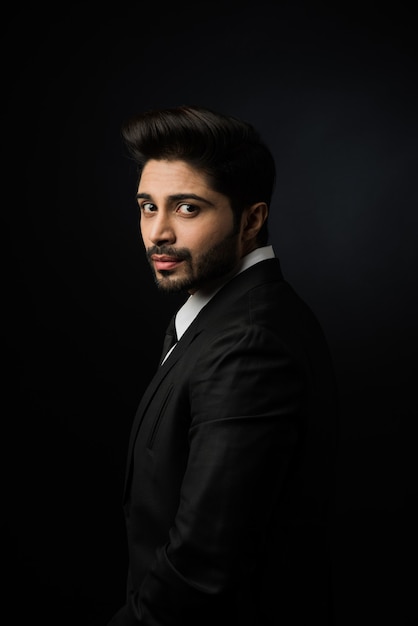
column 195, row 303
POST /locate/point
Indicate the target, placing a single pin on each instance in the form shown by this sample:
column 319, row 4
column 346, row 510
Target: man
column 229, row 471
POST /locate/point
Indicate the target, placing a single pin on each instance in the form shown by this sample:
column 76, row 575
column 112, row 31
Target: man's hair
column 229, row 151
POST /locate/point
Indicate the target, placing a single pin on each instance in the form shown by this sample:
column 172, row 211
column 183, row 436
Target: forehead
column 172, row 176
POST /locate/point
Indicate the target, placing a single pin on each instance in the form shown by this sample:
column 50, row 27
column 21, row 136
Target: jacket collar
column 261, row 273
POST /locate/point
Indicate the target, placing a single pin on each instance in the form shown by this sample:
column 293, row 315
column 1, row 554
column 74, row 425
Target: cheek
column 202, row 240
column 143, row 230
column 207, row 235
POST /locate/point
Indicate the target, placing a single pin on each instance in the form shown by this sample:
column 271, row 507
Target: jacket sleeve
column 247, row 397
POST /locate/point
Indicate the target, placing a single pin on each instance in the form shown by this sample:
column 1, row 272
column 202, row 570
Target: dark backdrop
column 334, row 93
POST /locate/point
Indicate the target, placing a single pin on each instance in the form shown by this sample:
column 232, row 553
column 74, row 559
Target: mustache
column 178, row 253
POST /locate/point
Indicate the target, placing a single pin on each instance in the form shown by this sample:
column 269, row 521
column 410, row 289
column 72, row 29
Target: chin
column 170, row 284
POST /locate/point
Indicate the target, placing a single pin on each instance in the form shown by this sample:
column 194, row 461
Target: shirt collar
column 195, row 303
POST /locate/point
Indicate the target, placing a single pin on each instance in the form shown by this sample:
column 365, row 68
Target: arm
column 245, row 397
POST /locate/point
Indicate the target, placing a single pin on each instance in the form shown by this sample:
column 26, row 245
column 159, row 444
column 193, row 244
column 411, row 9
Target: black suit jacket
column 230, row 467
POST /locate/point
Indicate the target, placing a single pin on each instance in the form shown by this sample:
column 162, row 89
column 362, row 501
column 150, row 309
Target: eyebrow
column 176, row 197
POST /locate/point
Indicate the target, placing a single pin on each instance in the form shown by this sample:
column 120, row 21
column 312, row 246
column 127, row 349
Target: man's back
column 233, row 462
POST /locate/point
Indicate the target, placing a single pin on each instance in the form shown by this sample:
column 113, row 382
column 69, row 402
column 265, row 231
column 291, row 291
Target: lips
column 162, row 262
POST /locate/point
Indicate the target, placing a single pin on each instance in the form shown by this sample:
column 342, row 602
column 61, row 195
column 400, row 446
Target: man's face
column 187, row 227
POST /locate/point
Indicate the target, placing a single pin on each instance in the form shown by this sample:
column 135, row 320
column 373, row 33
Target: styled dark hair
column 230, row 152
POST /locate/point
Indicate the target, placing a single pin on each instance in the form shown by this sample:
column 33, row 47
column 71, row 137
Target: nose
column 160, row 229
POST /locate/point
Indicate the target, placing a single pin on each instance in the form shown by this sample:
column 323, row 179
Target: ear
column 252, row 220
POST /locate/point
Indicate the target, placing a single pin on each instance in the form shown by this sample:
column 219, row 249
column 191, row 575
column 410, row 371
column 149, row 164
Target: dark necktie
column 170, row 338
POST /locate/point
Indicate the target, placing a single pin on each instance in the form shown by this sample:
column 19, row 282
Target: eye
column 148, row 207
column 187, row 209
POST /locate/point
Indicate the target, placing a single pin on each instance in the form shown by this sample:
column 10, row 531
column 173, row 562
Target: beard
column 200, row 271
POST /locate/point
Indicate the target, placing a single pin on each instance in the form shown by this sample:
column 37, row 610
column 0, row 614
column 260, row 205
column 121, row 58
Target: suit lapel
column 261, row 272
column 152, row 388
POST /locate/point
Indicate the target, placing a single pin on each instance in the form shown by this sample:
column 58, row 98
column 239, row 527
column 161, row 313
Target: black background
column 333, row 90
